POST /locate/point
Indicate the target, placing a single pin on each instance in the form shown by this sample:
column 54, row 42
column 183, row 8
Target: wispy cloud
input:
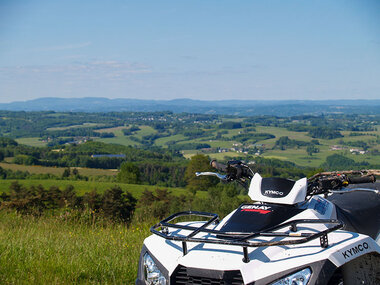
column 64, row 47
column 96, row 70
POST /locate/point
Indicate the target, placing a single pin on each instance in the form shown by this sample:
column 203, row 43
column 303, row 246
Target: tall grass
column 61, row 249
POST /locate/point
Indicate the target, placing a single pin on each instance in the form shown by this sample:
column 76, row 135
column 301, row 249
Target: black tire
column 337, row 278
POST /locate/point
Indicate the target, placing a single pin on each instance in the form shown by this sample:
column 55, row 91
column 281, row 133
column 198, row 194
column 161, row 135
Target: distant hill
column 231, row 107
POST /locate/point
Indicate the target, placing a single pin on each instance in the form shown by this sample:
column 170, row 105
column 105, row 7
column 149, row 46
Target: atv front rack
column 240, row 238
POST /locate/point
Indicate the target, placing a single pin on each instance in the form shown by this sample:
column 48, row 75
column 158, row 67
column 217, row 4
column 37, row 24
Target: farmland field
column 84, row 125
column 36, row 169
column 163, row 141
column 224, row 136
column 119, row 137
column 297, row 155
column 35, row 141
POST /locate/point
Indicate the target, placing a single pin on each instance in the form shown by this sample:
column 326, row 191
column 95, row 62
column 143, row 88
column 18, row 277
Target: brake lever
column 220, row 176
column 348, row 190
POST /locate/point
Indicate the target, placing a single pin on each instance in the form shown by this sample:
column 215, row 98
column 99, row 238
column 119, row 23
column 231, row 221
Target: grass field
column 217, row 156
column 53, row 250
column 300, row 157
column 111, row 130
column 82, row 187
column 162, row 141
column 85, row 125
column 36, row 169
column 145, row 130
column 120, row 138
column 32, row 142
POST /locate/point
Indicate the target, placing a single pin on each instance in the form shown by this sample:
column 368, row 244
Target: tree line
column 115, row 204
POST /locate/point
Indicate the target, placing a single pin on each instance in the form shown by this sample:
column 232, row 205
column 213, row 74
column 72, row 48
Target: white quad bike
column 310, row 231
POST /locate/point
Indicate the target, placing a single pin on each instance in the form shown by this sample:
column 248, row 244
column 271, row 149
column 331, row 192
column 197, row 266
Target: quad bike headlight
column 297, row 278
column 152, row 274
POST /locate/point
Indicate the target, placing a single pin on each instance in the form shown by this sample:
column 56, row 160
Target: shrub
column 114, row 204
column 129, row 173
column 118, row 205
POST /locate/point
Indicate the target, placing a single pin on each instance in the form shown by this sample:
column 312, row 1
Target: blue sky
column 208, row 50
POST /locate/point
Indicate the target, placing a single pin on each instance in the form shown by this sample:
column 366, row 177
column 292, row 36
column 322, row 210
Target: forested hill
column 231, row 107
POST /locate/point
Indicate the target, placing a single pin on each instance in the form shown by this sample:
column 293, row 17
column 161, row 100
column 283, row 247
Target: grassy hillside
column 120, row 138
column 227, row 142
column 296, row 155
column 215, row 135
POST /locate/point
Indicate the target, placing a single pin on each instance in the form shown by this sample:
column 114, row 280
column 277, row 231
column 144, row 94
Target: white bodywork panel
column 264, row 261
column 296, row 195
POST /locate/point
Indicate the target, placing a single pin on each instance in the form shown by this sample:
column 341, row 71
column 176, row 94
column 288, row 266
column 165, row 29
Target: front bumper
column 321, row 274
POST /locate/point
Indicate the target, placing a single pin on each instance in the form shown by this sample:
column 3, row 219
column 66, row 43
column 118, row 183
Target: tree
column 312, row 149
column 75, row 172
column 25, row 159
column 129, row 173
column 147, row 198
column 66, row 172
column 324, row 133
column 92, row 200
column 118, row 205
column 199, row 163
column 340, row 162
column 3, row 173
column 69, row 197
column 230, row 125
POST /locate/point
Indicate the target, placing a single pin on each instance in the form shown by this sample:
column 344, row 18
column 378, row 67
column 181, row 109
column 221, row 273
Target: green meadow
column 82, row 187
column 37, row 169
column 60, row 250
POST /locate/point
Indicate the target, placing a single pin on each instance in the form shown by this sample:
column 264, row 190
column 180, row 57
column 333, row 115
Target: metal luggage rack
column 239, row 238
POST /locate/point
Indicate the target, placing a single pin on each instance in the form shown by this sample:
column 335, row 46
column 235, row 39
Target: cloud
column 64, row 47
column 84, row 70
column 76, row 79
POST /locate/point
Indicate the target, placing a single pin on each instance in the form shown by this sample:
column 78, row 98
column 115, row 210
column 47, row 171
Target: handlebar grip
column 365, row 179
column 218, row 166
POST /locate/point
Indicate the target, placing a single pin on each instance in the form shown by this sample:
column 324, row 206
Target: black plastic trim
column 276, row 187
column 205, row 276
column 249, row 218
column 359, row 211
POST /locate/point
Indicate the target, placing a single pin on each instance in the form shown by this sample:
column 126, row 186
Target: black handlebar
column 237, row 171
column 359, row 180
column 325, row 184
column 218, row 166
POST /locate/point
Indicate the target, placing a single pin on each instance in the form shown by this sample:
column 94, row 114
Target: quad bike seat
column 359, row 211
